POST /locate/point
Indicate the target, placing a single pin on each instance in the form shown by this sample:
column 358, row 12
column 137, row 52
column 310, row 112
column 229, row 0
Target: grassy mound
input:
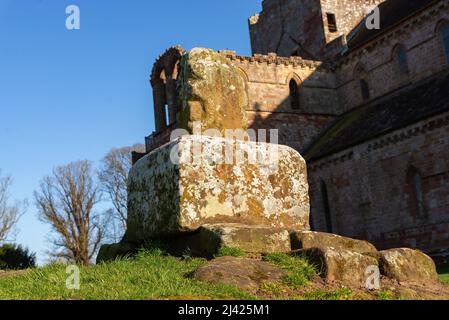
column 149, row 275
column 153, row 275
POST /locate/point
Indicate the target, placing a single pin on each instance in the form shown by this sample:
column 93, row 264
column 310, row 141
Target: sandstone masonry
column 367, row 109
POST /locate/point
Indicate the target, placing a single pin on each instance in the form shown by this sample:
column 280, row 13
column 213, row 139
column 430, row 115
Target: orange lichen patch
column 223, row 172
column 222, row 197
column 255, row 207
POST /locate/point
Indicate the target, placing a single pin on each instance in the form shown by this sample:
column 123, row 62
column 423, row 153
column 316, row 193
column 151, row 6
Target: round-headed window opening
column 326, row 206
column 415, row 180
column 294, row 94
column 401, row 59
column 361, row 76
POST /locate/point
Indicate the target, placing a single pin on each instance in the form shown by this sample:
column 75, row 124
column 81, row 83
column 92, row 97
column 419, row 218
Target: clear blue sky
column 72, row 95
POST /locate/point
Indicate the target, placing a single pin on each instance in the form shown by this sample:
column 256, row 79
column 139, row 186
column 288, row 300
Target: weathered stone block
column 207, row 241
column 251, row 239
column 407, row 265
column 168, row 198
column 310, row 239
column 212, row 91
column 244, row 273
column 340, row 265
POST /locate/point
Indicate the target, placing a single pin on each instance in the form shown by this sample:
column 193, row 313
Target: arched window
column 415, row 182
column 401, row 60
column 163, row 98
column 164, row 77
column 444, row 33
column 361, row 76
column 364, row 87
column 160, row 101
column 326, row 207
column 294, row 94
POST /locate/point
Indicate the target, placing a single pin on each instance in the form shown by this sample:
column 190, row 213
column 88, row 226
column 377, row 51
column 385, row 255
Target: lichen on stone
column 168, row 199
column 212, row 92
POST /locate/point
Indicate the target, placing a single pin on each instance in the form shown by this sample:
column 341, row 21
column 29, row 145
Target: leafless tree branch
column 113, row 176
column 9, row 214
column 66, row 201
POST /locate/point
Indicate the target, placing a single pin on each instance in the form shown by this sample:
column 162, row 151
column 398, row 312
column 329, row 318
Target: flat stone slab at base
column 251, row 239
column 209, row 239
column 407, row 265
column 244, row 273
column 311, row 239
column 169, row 199
column 340, row 265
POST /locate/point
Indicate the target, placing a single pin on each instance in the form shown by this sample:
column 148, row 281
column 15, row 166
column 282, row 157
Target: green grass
column 153, row 275
column 299, row 270
column 385, row 295
column 444, row 274
column 230, row 252
column 150, row 275
column 340, row 294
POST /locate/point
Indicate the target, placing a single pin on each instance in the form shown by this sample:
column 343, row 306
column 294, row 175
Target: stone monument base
column 194, row 199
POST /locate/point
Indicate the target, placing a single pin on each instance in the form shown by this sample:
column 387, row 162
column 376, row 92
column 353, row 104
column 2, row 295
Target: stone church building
column 367, row 108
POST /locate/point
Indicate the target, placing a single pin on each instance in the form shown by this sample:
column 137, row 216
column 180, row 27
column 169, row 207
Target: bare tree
column 66, row 201
column 113, row 176
column 9, row 214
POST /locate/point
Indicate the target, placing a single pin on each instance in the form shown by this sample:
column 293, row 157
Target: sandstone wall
column 300, row 27
column 295, row 130
column 348, row 14
column 268, row 80
column 325, row 92
column 267, row 85
column 371, row 196
column 270, row 106
column 292, row 27
column 424, row 53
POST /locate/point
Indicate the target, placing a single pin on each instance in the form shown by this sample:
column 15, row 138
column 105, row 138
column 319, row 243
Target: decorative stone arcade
column 163, row 81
